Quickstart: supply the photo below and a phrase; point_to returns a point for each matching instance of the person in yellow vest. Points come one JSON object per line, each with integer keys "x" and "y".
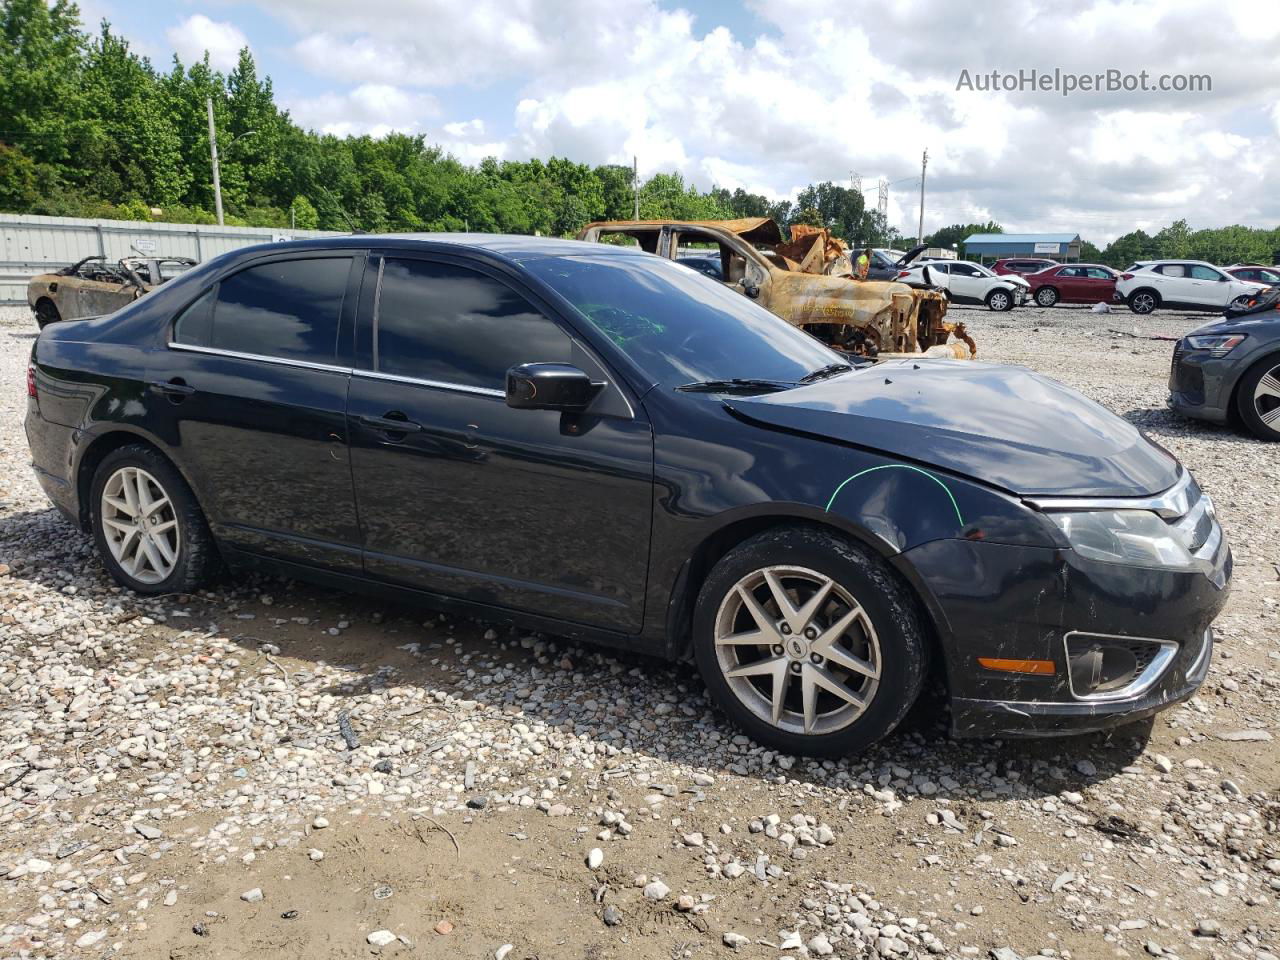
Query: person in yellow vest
{"x": 863, "y": 265}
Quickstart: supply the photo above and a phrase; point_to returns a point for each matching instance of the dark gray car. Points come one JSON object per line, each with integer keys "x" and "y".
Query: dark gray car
{"x": 1230, "y": 369}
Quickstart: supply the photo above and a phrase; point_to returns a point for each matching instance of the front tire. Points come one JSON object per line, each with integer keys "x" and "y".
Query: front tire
{"x": 1258, "y": 399}
{"x": 1000, "y": 300}
{"x": 1143, "y": 301}
{"x": 1046, "y": 296}
{"x": 808, "y": 642}
{"x": 147, "y": 525}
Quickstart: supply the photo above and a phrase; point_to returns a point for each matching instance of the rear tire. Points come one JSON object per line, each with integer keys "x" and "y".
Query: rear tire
{"x": 151, "y": 533}
{"x": 850, "y": 667}
{"x": 1046, "y": 296}
{"x": 1258, "y": 398}
{"x": 1143, "y": 301}
{"x": 46, "y": 312}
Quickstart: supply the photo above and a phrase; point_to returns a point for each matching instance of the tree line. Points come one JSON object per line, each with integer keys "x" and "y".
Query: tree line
{"x": 88, "y": 128}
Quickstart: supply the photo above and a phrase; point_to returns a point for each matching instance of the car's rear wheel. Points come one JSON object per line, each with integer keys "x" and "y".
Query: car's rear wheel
{"x": 1258, "y": 398}
{"x": 148, "y": 527}
{"x": 1143, "y": 301}
{"x": 1000, "y": 300}
{"x": 46, "y": 312}
{"x": 808, "y": 642}
{"x": 1046, "y": 296}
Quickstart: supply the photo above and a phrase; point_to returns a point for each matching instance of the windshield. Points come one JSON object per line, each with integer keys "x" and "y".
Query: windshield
{"x": 678, "y": 326}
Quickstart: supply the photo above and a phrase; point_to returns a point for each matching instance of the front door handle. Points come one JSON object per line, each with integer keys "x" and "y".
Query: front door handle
{"x": 393, "y": 422}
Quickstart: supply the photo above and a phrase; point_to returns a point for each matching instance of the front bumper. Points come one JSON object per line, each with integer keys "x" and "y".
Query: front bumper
{"x": 1006, "y": 602}
{"x": 1200, "y": 384}
{"x": 1038, "y": 718}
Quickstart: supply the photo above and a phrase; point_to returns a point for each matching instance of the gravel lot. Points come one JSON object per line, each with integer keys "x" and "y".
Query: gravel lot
{"x": 271, "y": 770}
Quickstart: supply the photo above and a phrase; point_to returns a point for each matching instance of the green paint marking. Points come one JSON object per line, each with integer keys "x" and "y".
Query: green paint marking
{"x": 899, "y": 466}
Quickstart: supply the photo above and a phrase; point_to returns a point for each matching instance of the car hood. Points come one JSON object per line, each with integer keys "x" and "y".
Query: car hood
{"x": 1002, "y": 425}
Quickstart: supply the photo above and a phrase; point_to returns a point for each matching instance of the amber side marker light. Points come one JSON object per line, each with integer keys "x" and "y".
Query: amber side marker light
{"x": 1039, "y": 667}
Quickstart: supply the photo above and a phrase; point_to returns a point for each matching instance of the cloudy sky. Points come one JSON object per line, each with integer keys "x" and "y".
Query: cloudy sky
{"x": 770, "y": 95}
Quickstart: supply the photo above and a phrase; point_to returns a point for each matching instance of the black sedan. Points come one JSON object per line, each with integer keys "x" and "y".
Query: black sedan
{"x": 600, "y": 443}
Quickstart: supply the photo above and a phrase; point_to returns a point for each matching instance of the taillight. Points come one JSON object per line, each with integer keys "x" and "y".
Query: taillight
{"x": 1126, "y": 276}
{"x": 31, "y": 380}
{"x": 904, "y": 273}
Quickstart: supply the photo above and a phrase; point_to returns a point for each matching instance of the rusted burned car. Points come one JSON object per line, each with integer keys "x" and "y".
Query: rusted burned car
{"x": 93, "y": 286}
{"x": 807, "y": 281}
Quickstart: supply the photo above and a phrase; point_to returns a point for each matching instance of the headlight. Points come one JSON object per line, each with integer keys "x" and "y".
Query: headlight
{"x": 1220, "y": 344}
{"x": 1136, "y": 538}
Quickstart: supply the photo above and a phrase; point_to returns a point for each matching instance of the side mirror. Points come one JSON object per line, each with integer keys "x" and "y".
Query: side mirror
{"x": 550, "y": 386}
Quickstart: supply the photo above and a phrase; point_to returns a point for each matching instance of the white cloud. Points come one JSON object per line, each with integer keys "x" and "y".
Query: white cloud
{"x": 822, "y": 93}
{"x": 372, "y": 108}
{"x": 196, "y": 34}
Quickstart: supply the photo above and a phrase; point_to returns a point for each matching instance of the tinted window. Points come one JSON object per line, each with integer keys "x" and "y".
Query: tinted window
{"x": 1071, "y": 272}
{"x": 1098, "y": 273}
{"x": 441, "y": 322}
{"x": 677, "y": 327}
{"x": 195, "y": 324}
{"x": 288, "y": 309}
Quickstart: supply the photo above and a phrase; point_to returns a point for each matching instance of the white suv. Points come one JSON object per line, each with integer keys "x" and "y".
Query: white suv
{"x": 967, "y": 282}
{"x": 1180, "y": 284}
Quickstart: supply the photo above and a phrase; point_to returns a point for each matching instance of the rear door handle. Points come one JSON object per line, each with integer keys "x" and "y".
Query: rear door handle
{"x": 171, "y": 388}
{"x": 390, "y": 424}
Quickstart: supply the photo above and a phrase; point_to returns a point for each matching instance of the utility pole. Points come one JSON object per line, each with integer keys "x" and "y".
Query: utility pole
{"x": 635, "y": 184}
{"x": 213, "y": 152}
{"x": 924, "y": 163}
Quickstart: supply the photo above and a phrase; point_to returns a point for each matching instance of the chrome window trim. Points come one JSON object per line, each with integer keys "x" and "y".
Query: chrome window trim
{"x": 261, "y": 358}
{"x": 1173, "y": 503}
{"x": 1139, "y": 684}
{"x": 438, "y": 384}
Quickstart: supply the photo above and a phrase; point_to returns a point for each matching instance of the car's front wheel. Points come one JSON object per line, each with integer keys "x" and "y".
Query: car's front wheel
{"x": 1258, "y": 399}
{"x": 1000, "y": 300}
{"x": 148, "y": 527}
{"x": 808, "y": 642}
{"x": 1046, "y": 296}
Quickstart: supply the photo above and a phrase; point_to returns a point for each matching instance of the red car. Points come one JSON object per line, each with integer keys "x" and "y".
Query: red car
{"x": 1022, "y": 265}
{"x": 1074, "y": 283}
{"x": 1255, "y": 272}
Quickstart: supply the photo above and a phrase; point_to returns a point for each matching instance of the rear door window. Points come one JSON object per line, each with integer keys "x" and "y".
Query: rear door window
{"x": 288, "y": 309}
{"x": 453, "y": 325}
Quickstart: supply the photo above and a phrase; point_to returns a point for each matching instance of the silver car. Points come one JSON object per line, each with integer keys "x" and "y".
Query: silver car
{"x": 1229, "y": 370}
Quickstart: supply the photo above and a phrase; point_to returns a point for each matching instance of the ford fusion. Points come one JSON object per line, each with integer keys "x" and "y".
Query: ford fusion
{"x": 599, "y": 443}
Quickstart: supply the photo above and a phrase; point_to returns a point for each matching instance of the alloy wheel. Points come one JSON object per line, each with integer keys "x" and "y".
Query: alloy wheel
{"x": 1046, "y": 297}
{"x": 797, "y": 649}
{"x": 1266, "y": 398}
{"x": 999, "y": 301}
{"x": 140, "y": 525}
{"x": 1144, "y": 303}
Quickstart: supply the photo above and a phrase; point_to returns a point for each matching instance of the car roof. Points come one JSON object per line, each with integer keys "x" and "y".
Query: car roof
{"x": 507, "y": 246}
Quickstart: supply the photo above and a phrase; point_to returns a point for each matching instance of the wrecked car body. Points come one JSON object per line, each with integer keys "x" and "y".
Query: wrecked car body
{"x": 92, "y": 286}
{"x": 808, "y": 281}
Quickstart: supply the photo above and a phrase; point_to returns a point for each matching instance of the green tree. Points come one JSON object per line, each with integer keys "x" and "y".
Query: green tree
{"x": 305, "y": 216}
{"x": 18, "y": 191}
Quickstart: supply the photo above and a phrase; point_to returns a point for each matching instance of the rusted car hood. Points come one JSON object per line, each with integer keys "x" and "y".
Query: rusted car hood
{"x": 1003, "y": 425}
{"x": 751, "y": 229}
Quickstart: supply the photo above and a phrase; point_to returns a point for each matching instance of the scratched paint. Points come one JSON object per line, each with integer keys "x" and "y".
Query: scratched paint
{"x": 898, "y": 466}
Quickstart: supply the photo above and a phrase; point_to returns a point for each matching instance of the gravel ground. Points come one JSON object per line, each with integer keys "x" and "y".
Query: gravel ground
{"x": 272, "y": 770}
